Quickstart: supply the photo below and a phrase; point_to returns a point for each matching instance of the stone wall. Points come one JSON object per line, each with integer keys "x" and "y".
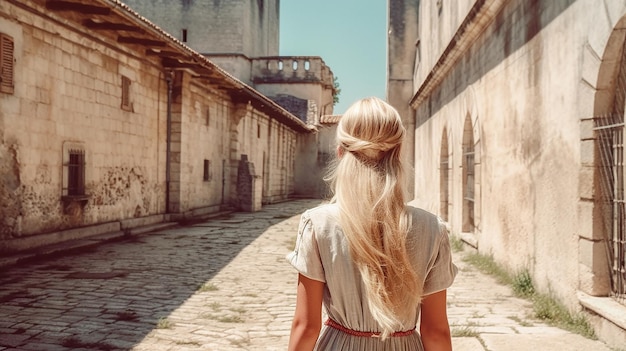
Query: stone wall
{"x": 68, "y": 96}
{"x": 68, "y": 89}
{"x": 270, "y": 146}
{"x": 305, "y": 77}
{"x": 248, "y": 27}
{"x": 204, "y": 136}
{"x": 524, "y": 88}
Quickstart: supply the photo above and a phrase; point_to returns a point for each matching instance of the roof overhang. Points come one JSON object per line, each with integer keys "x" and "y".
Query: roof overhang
{"x": 119, "y": 23}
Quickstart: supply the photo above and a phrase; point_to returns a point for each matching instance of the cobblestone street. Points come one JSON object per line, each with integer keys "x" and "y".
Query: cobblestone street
{"x": 219, "y": 285}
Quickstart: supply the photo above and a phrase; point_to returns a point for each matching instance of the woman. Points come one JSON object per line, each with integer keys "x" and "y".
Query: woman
{"x": 374, "y": 263}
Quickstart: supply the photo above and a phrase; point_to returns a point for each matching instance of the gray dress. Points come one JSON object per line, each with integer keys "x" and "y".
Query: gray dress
{"x": 322, "y": 253}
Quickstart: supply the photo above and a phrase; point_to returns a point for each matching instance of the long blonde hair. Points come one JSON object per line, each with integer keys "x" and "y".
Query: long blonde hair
{"x": 368, "y": 185}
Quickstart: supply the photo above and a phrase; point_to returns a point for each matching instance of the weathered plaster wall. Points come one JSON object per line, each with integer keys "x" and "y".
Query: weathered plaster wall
{"x": 307, "y": 165}
{"x": 270, "y": 146}
{"x": 205, "y": 137}
{"x": 68, "y": 89}
{"x": 438, "y": 22}
{"x": 526, "y": 128}
{"x": 534, "y": 84}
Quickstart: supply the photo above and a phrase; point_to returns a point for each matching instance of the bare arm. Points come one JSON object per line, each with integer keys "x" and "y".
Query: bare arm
{"x": 307, "y": 320}
{"x": 434, "y": 325}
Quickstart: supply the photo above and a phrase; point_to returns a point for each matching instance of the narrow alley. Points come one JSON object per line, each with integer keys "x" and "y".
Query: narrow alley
{"x": 219, "y": 285}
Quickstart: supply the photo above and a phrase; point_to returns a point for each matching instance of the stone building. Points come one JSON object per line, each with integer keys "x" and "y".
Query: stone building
{"x": 518, "y": 112}
{"x": 108, "y": 123}
{"x": 241, "y": 37}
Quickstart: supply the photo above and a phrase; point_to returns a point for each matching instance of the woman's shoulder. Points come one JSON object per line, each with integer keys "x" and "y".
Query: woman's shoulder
{"x": 323, "y": 219}
{"x": 425, "y": 221}
{"x": 323, "y": 212}
{"x": 419, "y": 213}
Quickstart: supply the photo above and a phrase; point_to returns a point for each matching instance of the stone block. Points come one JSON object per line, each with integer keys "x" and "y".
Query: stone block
{"x": 595, "y": 283}
{"x": 586, "y": 189}
{"x": 592, "y": 254}
{"x": 586, "y": 128}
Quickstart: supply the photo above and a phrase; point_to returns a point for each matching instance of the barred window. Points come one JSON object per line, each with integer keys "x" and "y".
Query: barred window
{"x": 444, "y": 177}
{"x": 74, "y": 171}
{"x": 6, "y": 64}
{"x": 612, "y": 197}
{"x": 468, "y": 177}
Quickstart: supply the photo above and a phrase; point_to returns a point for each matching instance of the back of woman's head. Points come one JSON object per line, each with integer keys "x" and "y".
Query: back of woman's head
{"x": 368, "y": 186}
{"x": 369, "y": 129}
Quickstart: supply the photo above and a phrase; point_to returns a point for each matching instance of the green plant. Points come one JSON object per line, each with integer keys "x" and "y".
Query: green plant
{"x": 193, "y": 343}
{"x": 336, "y": 90}
{"x": 464, "y": 331}
{"x": 207, "y": 287}
{"x": 230, "y": 319}
{"x": 545, "y": 307}
{"x": 522, "y": 284}
{"x": 554, "y": 313}
{"x": 520, "y": 321}
{"x": 164, "y": 323}
{"x": 456, "y": 243}
{"x": 238, "y": 309}
{"x": 486, "y": 264}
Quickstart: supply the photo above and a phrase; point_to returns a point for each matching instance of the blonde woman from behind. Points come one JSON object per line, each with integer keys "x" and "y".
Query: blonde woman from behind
{"x": 374, "y": 263}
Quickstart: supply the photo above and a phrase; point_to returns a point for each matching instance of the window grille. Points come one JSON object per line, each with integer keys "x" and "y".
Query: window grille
{"x": 444, "y": 176}
{"x": 610, "y": 144}
{"x": 126, "y": 104}
{"x": 468, "y": 177}
{"x": 76, "y": 173}
{"x": 6, "y": 64}
{"x": 468, "y": 187}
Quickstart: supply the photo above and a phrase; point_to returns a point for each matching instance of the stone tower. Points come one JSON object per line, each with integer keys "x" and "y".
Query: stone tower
{"x": 229, "y": 32}
{"x": 403, "y": 51}
{"x": 242, "y": 36}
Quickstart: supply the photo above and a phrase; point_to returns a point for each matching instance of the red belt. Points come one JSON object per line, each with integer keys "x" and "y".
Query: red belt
{"x": 331, "y": 323}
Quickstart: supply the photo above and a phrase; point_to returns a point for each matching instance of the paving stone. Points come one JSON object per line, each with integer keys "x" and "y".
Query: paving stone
{"x": 13, "y": 340}
{"x": 247, "y": 303}
{"x": 560, "y": 342}
{"x": 467, "y": 343}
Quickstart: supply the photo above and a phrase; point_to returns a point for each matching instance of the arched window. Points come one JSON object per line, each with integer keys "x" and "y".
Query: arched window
{"x": 468, "y": 177}
{"x": 444, "y": 177}
{"x": 610, "y": 161}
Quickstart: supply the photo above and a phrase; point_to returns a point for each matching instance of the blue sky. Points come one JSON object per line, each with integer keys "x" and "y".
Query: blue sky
{"x": 349, "y": 35}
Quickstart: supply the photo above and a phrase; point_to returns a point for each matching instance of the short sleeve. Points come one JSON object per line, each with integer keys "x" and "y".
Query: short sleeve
{"x": 442, "y": 273}
{"x": 305, "y": 258}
